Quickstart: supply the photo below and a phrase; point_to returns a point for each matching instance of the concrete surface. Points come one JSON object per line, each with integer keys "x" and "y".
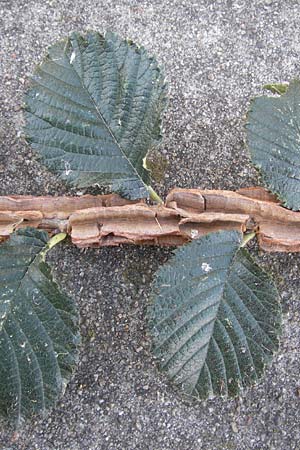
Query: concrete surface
{"x": 217, "y": 55}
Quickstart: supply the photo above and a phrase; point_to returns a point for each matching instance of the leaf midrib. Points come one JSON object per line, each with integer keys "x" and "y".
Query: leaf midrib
{"x": 217, "y": 311}
{"x": 99, "y": 113}
{"x": 32, "y": 261}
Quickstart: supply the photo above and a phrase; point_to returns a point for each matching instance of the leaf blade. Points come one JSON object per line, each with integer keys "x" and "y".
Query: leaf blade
{"x": 206, "y": 317}
{"x": 273, "y": 141}
{"x": 39, "y": 333}
{"x": 94, "y": 110}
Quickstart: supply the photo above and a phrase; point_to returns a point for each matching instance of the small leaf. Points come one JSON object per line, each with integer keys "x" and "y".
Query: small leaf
{"x": 94, "y": 110}
{"x": 277, "y": 88}
{"x": 38, "y": 328}
{"x": 215, "y": 317}
{"x": 273, "y": 140}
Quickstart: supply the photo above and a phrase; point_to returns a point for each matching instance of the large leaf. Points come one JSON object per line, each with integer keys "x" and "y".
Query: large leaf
{"x": 215, "y": 317}
{"x": 94, "y": 110}
{"x": 38, "y": 328}
{"x": 274, "y": 142}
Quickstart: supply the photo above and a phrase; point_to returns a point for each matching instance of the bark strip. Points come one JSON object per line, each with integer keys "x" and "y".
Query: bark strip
{"x": 107, "y": 220}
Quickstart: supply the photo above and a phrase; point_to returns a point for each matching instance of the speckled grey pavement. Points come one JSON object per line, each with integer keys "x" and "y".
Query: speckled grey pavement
{"x": 216, "y": 55}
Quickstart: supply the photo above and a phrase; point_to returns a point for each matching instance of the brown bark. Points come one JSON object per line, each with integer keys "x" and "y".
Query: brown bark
{"x": 94, "y": 221}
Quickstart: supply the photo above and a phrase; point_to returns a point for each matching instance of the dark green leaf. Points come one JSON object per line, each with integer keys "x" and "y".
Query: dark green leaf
{"x": 38, "y": 328}
{"x": 94, "y": 110}
{"x": 215, "y": 317}
{"x": 274, "y": 143}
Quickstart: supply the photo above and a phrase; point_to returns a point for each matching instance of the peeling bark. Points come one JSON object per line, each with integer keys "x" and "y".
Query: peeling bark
{"x": 106, "y": 220}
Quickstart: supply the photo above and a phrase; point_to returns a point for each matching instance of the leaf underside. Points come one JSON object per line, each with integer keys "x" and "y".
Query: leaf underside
{"x": 93, "y": 111}
{"x": 38, "y": 329}
{"x": 273, "y": 130}
{"x": 215, "y": 317}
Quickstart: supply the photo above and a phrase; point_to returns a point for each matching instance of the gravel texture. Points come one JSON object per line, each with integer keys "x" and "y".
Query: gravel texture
{"x": 216, "y": 56}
